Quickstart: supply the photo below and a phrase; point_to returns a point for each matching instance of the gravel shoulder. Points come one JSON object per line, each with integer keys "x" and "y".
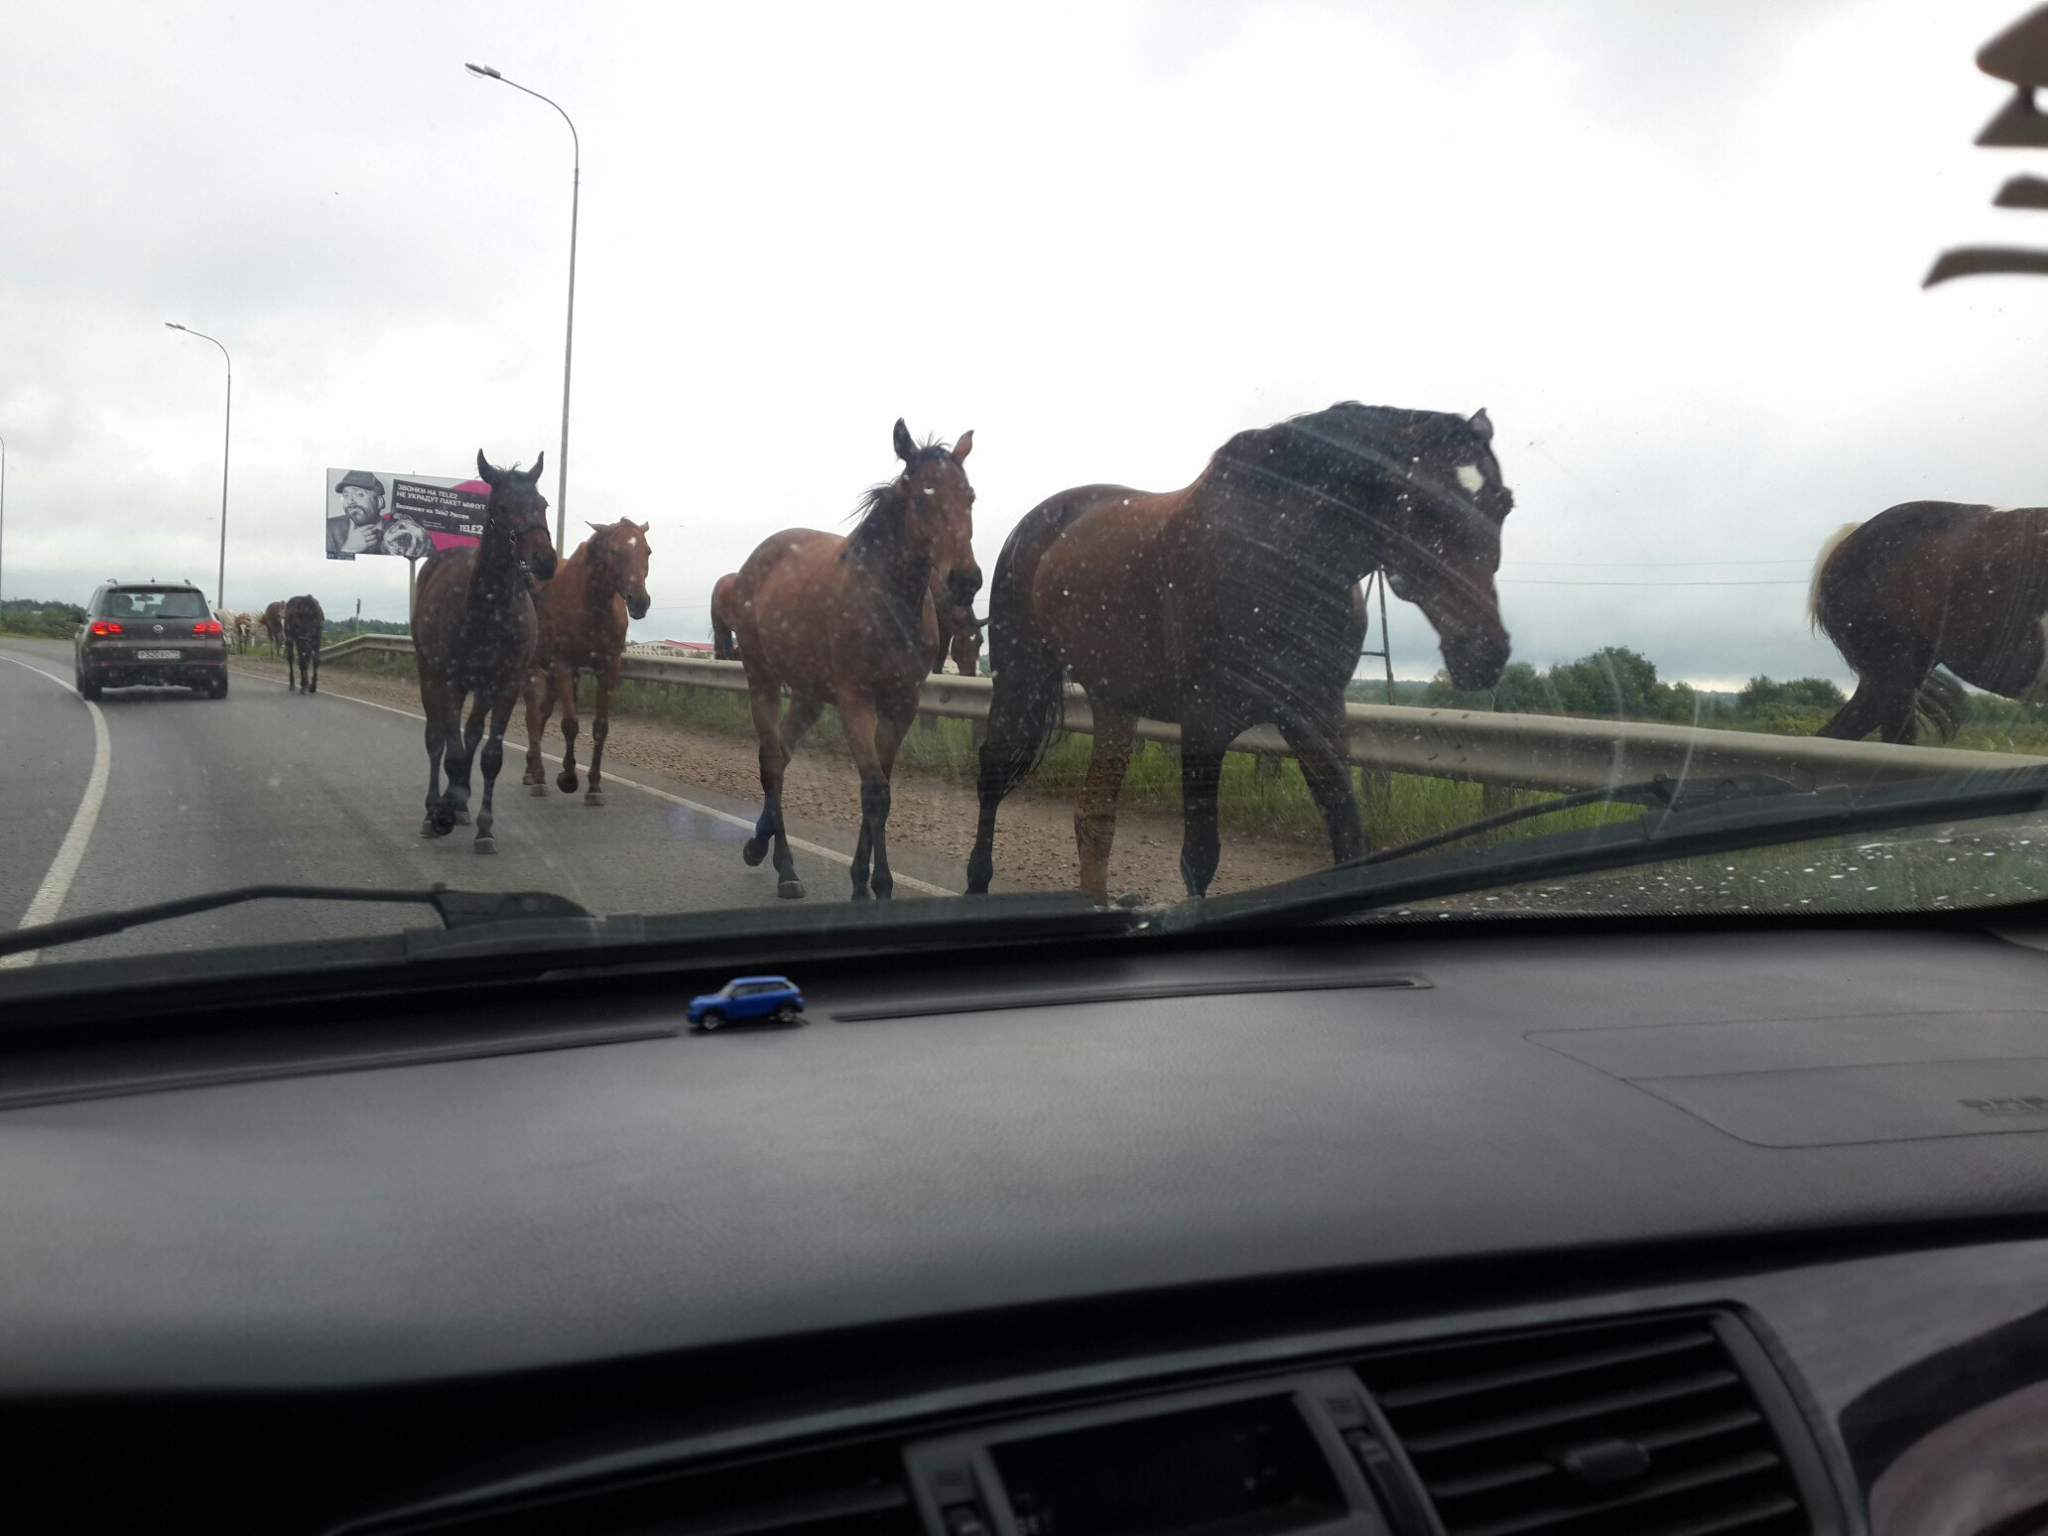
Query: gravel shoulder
{"x": 1034, "y": 838}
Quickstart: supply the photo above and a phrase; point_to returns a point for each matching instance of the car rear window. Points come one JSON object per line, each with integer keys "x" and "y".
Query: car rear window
{"x": 152, "y": 605}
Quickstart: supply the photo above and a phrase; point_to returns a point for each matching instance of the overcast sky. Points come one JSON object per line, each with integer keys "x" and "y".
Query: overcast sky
{"x": 1674, "y": 250}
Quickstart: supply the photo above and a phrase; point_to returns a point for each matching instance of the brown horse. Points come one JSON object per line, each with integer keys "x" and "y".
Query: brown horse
{"x": 582, "y": 616}
{"x": 473, "y": 631}
{"x": 959, "y": 633}
{"x": 849, "y": 622}
{"x": 724, "y": 608}
{"x": 304, "y": 624}
{"x": 273, "y": 626}
{"x": 1235, "y": 602}
{"x": 1930, "y": 584}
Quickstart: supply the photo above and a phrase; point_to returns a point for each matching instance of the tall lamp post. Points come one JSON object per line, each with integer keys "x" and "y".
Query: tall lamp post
{"x": 220, "y": 581}
{"x": 485, "y": 72}
{"x": 3, "y": 511}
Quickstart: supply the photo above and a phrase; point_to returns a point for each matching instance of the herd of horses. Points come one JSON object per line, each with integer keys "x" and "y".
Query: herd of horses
{"x": 1232, "y": 602}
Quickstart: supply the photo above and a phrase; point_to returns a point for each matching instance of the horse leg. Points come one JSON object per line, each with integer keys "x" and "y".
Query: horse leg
{"x": 462, "y": 745}
{"x": 439, "y": 822}
{"x": 1318, "y": 746}
{"x": 314, "y": 686}
{"x": 540, "y": 704}
{"x": 565, "y": 692}
{"x": 1857, "y": 718}
{"x": 493, "y": 759}
{"x": 601, "y": 727}
{"x": 889, "y": 731}
{"x": 1095, "y": 810}
{"x": 768, "y": 832}
{"x": 291, "y": 678}
{"x": 858, "y": 716}
{"x": 1201, "y": 771}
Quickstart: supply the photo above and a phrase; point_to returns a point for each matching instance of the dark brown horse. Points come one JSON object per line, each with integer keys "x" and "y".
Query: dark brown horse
{"x": 273, "y": 626}
{"x": 849, "y": 622}
{"x": 304, "y": 623}
{"x": 582, "y": 625}
{"x": 473, "y": 632}
{"x": 959, "y": 633}
{"x": 724, "y": 609}
{"x": 1235, "y": 602}
{"x": 1930, "y": 584}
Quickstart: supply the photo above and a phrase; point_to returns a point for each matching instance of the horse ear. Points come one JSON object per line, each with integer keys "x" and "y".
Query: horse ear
{"x": 643, "y": 527}
{"x": 965, "y": 446}
{"x": 906, "y": 449}
{"x": 484, "y": 471}
{"x": 533, "y": 474}
{"x": 1481, "y": 423}
{"x": 596, "y": 527}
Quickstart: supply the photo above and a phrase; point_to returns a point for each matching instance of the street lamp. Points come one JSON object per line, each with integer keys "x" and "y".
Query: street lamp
{"x": 485, "y": 72}
{"x": 3, "y": 510}
{"x": 220, "y": 581}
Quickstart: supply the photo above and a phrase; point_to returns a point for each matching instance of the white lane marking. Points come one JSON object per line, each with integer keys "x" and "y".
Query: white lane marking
{"x": 48, "y": 900}
{"x": 798, "y": 843}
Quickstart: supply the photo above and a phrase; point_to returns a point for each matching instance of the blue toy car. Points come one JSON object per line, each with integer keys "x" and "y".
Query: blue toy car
{"x": 748, "y": 1000}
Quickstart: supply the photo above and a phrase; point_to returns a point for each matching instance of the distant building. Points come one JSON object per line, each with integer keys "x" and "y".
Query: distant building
{"x": 669, "y": 648}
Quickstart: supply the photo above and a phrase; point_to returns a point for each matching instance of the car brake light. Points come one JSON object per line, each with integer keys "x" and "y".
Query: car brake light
{"x": 103, "y": 627}
{"x": 206, "y": 627}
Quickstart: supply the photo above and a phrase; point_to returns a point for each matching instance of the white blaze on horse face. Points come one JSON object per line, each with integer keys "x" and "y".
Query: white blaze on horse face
{"x": 1470, "y": 478}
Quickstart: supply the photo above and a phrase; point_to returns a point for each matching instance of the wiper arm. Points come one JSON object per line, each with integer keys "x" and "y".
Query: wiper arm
{"x": 1719, "y": 819}
{"x": 456, "y": 909}
{"x": 1672, "y": 794}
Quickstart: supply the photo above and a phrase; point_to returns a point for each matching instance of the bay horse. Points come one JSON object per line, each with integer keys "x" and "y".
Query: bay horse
{"x": 473, "y": 631}
{"x": 581, "y": 613}
{"x": 304, "y": 624}
{"x": 1234, "y": 602}
{"x": 724, "y": 605}
{"x": 273, "y": 626}
{"x": 1930, "y": 584}
{"x": 959, "y": 633}
{"x": 849, "y": 622}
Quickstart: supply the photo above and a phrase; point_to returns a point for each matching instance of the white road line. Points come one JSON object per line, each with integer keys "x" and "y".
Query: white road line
{"x": 48, "y": 900}
{"x": 817, "y": 849}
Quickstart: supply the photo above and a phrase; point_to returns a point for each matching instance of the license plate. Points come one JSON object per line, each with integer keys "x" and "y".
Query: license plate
{"x": 156, "y": 655}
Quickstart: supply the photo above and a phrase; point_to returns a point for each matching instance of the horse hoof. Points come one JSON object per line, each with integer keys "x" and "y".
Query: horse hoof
{"x": 860, "y": 893}
{"x": 427, "y": 828}
{"x": 485, "y": 845}
{"x": 462, "y": 818}
{"x": 566, "y": 783}
{"x": 594, "y": 797}
{"x": 790, "y": 890}
{"x": 535, "y": 788}
{"x": 754, "y": 850}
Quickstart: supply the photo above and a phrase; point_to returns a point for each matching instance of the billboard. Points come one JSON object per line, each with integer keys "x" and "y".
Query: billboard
{"x": 370, "y": 512}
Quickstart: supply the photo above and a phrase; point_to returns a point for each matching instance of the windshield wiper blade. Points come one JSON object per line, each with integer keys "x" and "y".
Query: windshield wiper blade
{"x": 1718, "y": 821}
{"x": 456, "y": 909}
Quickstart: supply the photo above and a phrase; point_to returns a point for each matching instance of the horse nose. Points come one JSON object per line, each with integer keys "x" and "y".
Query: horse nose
{"x": 544, "y": 565}
{"x": 962, "y": 582}
{"x": 636, "y": 605}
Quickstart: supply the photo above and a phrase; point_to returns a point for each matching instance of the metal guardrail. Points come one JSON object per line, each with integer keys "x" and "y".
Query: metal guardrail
{"x": 1547, "y": 752}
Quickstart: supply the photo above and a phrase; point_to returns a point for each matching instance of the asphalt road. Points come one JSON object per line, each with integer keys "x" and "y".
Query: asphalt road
{"x": 267, "y": 786}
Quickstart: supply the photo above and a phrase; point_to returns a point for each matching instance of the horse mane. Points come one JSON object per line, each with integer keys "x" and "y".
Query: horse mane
{"x": 878, "y": 514}
{"x": 1345, "y": 441}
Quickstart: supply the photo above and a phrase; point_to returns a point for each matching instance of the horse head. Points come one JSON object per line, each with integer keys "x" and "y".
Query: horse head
{"x": 938, "y": 511}
{"x": 1440, "y": 541}
{"x": 518, "y": 509}
{"x": 619, "y": 552}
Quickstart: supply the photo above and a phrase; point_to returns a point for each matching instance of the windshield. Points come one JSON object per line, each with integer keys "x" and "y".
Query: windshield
{"x": 1150, "y": 451}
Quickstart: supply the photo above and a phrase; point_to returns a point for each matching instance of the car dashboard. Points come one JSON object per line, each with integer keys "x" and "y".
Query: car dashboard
{"x": 1467, "y": 1231}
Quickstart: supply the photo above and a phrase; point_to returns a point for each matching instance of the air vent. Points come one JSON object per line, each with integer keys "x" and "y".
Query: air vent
{"x": 1648, "y": 1428}
{"x": 853, "y": 1492}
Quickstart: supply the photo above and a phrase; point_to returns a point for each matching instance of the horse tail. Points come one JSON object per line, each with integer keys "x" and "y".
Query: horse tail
{"x": 723, "y": 646}
{"x": 1819, "y": 590}
{"x": 1029, "y": 700}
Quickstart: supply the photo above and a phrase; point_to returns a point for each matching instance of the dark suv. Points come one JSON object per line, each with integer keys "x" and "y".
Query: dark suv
{"x": 151, "y": 633}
